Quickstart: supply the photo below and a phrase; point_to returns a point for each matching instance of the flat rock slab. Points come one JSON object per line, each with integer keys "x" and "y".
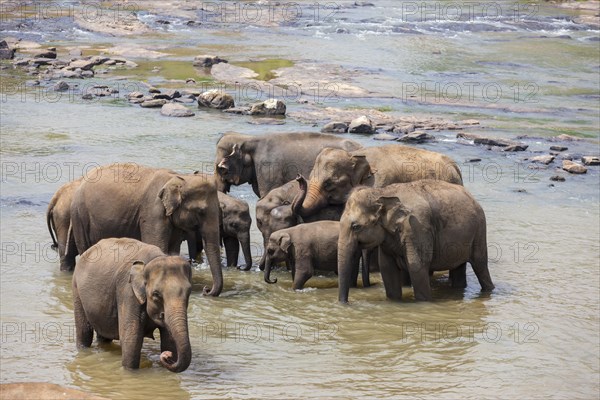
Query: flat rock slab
{"x": 153, "y": 103}
{"x": 176, "y": 110}
{"x": 573, "y": 168}
{"x": 546, "y": 159}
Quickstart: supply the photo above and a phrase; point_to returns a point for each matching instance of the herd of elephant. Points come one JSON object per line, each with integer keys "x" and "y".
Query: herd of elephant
{"x": 398, "y": 207}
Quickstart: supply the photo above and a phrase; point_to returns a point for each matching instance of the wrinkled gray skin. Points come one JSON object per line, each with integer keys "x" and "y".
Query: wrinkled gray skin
{"x": 156, "y": 206}
{"x": 235, "y": 223}
{"x": 304, "y": 248}
{"x": 336, "y": 172}
{"x": 420, "y": 227}
{"x": 269, "y": 161}
{"x": 275, "y": 212}
{"x": 58, "y": 218}
{"x": 124, "y": 290}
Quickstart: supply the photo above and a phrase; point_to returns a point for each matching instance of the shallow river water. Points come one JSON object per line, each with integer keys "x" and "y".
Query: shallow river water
{"x": 535, "y": 336}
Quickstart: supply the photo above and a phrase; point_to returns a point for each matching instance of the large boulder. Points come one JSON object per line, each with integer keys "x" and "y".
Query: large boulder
{"x": 335, "y": 127}
{"x": 268, "y": 107}
{"x": 6, "y": 53}
{"x": 215, "y": 99}
{"x": 361, "y": 125}
{"x": 176, "y": 110}
{"x": 207, "y": 61}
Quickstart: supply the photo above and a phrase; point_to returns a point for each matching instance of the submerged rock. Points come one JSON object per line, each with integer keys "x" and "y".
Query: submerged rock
{"x": 361, "y": 125}
{"x": 557, "y": 178}
{"x": 176, "y": 110}
{"x": 573, "y": 168}
{"x": 216, "y": 99}
{"x": 384, "y": 136}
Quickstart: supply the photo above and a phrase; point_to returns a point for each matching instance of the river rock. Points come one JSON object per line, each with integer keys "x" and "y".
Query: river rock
{"x": 153, "y": 90}
{"x": 215, "y": 99}
{"x": 573, "y": 168}
{"x": 557, "y": 178}
{"x": 176, "y": 110}
{"x": 559, "y": 148}
{"x": 207, "y": 61}
{"x": 590, "y": 160}
{"x": 172, "y": 93}
{"x": 404, "y": 129}
{"x": 335, "y": 127}
{"x": 545, "y": 159}
{"x": 46, "y": 54}
{"x": 268, "y": 107}
{"x": 6, "y": 53}
{"x": 155, "y": 103}
{"x": 61, "y": 86}
{"x": 135, "y": 95}
{"x": 477, "y": 139}
{"x": 361, "y": 125}
{"x": 41, "y": 61}
{"x": 516, "y": 147}
{"x": 566, "y": 138}
{"x": 384, "y": 136}
{"x": 161, "y": 96}
{"x": 192, "y": 92}
{"x": 83, "y": 64}
{"x": 416, "y": 137}
{"x": 185, "y": 99}
{"x": 237, "y": 110}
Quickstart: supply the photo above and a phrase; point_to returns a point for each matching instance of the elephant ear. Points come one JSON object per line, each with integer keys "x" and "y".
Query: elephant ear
{"x": 362, "y": 169}
{"x": 391, "y": 212}
{"x": 137, "y": 281}
{"x": 285, "y": 242}
{"x": 171, "y": 194}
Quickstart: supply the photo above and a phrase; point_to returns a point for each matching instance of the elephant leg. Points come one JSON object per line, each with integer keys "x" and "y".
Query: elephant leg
{"x": 102, "y": 340}
{"x": 232, "y": 250}
{"x": 84, "y": 333}
{"x": 303, "y": 273}
{"x": 458, "y": 276}
{"x": 391, "y": 275}
{"x": 482, "y": 272}
{"x": 130, "y": 336}
{"x": 366, "y": 266}
{"x": 406, "y": 281}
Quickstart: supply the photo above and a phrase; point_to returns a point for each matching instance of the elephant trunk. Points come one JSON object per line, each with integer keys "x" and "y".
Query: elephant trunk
{"x": 244, "y": 240}
{"x": 347, "y": 253}
{"x": 212, "y": 249}
{"x": 268, "y": 262}
{"x": 301, "y": 196}
{"x": 177, "y": 325}
{"x": 313, "y": 202}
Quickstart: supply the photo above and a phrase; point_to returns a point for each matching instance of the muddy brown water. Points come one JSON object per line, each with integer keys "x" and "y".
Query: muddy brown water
{"x": 535, "y": 336}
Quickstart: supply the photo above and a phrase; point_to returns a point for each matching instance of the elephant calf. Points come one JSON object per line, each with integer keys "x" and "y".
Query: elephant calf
{"x": 58, "y": 218}
{"x": 304, "y": 248}
{"x": 234, "y": 224}
{"x": 420, "y": 227}
{"x": 124, "y": 290}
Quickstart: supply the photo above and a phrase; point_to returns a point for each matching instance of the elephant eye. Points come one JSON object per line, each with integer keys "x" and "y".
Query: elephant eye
{"x": 156, "y": 295}
{"x": 355, "y": 227}
{"x": 328, "y": 184}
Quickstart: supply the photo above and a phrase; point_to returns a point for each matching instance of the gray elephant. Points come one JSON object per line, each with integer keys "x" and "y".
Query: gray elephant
{"x": 337, "y": 171}
{"x": 156, "y": 206}
{"x": 269, "y": 161}
{"x": 58, "y": 219}
{"x": 124, "y": 290}
{"x": 275, "y": 211}
{"x": 304, "y": 248}
{"x": 235, "y": 224}
{"x": 420, "y": 227}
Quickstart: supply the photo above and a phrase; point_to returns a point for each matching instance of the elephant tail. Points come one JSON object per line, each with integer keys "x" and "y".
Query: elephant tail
{"x": 51, "y": 226}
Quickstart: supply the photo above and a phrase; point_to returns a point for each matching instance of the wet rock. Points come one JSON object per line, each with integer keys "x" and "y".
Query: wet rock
{"x": 516, "y": 147}
{"x": 155, "y": 103}
{"x": 172, "y": 93}
{"x": 191, "y": 92}
{"x": 161, "y": 96}
{"x": 237, "y": 110}
{"x": 216, "y": 99}
{"x": 477, "y": 139}
{"x": 404, "y": 129}
{"x": 590, "y": 160}
{"x": 545, "y": 159}
{"x": 384, "y": 136}
{"x": 521, "y": 190}
{"x": 268, "y": 107}
{"x": 49, "y": 53}
{"x": 87, "y": 74}
{"x": 6, "y": 53}
{"x": 87, "y": 96}
{"x": 61, "y": 86}
{"x": 176, "y": 110}
{"x": 361, "y": 125}
{"x": 266, "y": 121}
{"x": 163, "y": 22}
{"x": 363, "y": 4}
{"x": 566, "y": 138}
{"x": 135, "y": 95}
{"x": 193, "y": 23}
{"x": 41, "y": 61}
{"x": 137, "y": 101}
{"x": 185, "y": 99}
{"x": 65, "y": 73}
{"x": 152, "y": 89}
{"x": 416, "y": 137}
{"x": 559, "y": 148}
{"x": 473, "y": 159}
{"x": 207, "y": 61}
{"x": 573, "y": 168}
{"x": 21, "y": 62}
{"x": 557, "y": 178}
{"x": 83, "y": 64}
{"x": 342, "y": 30}
{"x": 335, "y": 127}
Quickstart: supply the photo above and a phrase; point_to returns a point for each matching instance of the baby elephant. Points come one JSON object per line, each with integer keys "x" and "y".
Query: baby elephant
{"x": 234, "y": 225}
{"x": 125, "y": 289}
{"x": 304, "y": 248}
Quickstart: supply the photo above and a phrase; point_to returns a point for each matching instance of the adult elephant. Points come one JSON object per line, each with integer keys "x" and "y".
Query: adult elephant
{"x": 276, "y": 211}
{"x": 58, "y": 219}
{"x": 124, "y": 290}
{"x": 337, "y": 171}
{"x": 419, "y": 227}
{"x": 269, "y": 161}
{"x": 156, "y": 206}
